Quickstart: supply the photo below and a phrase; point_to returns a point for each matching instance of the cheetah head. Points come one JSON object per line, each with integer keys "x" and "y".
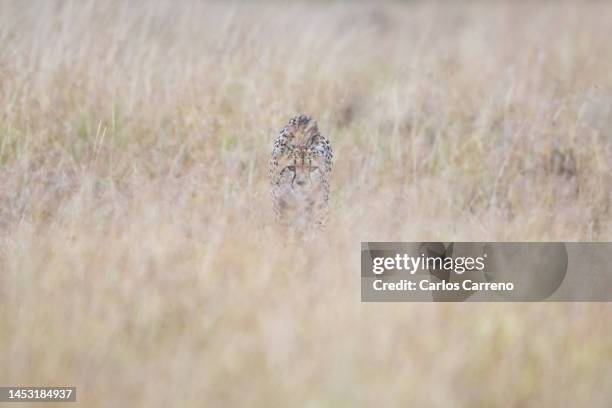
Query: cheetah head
{"x": 302, "y": 171}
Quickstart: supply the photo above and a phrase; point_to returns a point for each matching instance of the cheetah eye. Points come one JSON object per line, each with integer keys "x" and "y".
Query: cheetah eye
{"x": 313, "y": 168}
{"x": 291, "y": 168}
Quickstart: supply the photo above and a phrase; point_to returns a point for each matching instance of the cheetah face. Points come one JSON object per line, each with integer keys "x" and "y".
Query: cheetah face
{"x": 303, "y": 179}
{"x": 302, "y": 174}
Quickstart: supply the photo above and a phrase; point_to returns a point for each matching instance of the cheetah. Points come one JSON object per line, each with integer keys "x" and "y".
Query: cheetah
{"x": 300, "y": 168}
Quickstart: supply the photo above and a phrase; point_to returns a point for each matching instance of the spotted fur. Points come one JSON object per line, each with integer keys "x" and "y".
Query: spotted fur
{"x": 300, "y": 168}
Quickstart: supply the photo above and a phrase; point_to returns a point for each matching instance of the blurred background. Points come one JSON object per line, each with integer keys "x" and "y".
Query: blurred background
{"x": 139, "y": 260}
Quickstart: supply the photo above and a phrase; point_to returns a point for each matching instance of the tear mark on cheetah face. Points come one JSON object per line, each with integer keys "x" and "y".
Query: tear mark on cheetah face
{"x": 300, "y": 168}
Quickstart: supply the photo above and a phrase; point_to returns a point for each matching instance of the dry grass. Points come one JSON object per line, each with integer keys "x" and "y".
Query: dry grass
{"x": 137, "y": 257}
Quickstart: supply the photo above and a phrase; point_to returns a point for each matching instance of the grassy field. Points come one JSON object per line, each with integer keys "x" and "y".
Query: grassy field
{"x": 138, "y": 256}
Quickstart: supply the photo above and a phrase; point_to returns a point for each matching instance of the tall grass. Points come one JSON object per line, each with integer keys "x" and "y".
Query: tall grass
{"x": 138, "y": 257}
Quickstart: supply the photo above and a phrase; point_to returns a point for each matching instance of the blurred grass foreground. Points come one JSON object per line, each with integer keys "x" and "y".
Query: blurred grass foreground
{"x": 138, "y": 257}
